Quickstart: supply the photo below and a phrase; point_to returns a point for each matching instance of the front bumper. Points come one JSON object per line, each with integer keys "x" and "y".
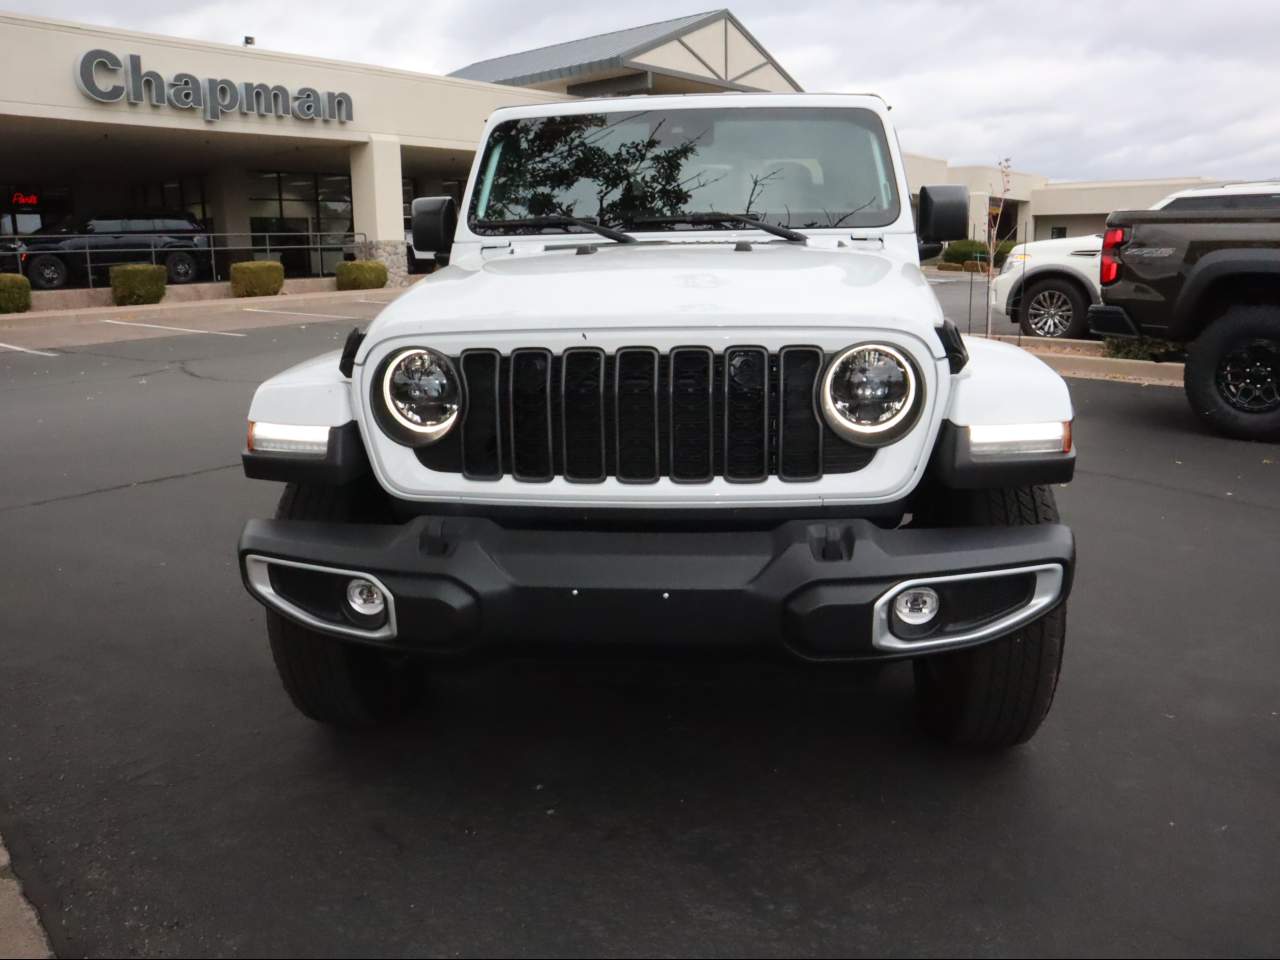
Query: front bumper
{"x": 822, "y": 590}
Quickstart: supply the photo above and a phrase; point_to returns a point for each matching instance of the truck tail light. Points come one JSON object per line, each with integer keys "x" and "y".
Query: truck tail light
{"x": 1112, "y": 240}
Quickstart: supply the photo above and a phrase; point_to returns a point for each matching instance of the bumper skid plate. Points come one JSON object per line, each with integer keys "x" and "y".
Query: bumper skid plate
{"x": 821, "y": 589}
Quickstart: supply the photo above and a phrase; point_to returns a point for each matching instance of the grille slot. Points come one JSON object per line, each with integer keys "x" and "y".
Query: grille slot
{"x": 799, "y": 429}
{"x": 482, "y": 427}
{"x": 637, "y": 415}
{"x": 582, "y": 415}
{"x": 530, "y": 412}
{"x": 746, "y": 413}
{"x": 635, "y": 391}
{"x": 692, "y": 414}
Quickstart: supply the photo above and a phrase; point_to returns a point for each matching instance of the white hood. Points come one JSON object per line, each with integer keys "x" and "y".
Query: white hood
{"x": 675, "y": 285}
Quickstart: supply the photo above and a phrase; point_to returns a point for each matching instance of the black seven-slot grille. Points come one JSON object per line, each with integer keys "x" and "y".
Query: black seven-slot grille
{"x": 637, "y": 415}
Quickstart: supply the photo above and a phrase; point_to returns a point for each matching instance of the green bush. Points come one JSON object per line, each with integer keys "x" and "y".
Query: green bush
{"x": 256, "y": 278}
{"x": 958, "y": 251}
{"x": 1002, "y": 253}
{"x": 15, "y": 293}
{"x": 952, "y": 267}
{"x": 135, "y": 283}
{"x": 361, "y": 275}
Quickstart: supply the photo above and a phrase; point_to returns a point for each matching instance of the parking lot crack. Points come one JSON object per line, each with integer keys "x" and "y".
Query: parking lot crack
{"x": 119, "y": 486}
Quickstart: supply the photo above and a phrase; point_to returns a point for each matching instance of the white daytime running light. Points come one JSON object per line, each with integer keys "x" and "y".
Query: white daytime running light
{"x": 1013, "y": 438}
{"x": 291, "y": 438}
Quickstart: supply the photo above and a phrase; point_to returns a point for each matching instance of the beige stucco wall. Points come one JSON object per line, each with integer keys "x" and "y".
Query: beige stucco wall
{"x": 1060, "y": 199}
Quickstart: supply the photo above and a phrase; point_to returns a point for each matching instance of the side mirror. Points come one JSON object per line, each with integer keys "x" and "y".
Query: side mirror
{"x": 434, "y": 220}
{"x": 944, "y": 213}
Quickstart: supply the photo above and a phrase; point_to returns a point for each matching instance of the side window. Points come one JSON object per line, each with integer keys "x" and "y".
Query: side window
{"x": 140, "y": 226}
{"x": 1057, "y": 233}
{"x": 98, "y": 225}
{"x": 173, "y": 225}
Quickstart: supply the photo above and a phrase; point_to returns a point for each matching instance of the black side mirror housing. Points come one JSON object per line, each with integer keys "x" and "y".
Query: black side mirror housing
{"x": 944, "y": 213}
{"x": 433, "y": 221}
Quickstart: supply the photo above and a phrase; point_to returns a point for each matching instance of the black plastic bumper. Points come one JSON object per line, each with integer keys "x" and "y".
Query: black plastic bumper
{"x": 1106, "y": 321}
{"x": 467, "y": 584}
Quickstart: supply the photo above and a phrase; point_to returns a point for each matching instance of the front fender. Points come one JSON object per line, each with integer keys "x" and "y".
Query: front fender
{"x": 1002, "y": 384}
{"x": 313, "y": 393}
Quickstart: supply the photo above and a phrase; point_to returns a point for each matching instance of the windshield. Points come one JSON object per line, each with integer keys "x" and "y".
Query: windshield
{"x": 798, "y": 167}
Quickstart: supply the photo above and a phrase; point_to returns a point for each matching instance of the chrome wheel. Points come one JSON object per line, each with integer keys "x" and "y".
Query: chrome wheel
{"x": 1249, "y": 377}
{"x": 1049, "y": 314}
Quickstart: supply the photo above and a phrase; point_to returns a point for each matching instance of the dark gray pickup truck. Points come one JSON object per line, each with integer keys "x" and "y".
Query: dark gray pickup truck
{"x": 1208, "y": 279}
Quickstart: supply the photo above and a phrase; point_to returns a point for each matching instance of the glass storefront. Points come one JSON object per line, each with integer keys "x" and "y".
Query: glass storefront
{"x": 304, "y": 220}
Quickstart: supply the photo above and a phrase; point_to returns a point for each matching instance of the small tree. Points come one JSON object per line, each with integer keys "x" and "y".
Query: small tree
{"x": 994, "y": 213}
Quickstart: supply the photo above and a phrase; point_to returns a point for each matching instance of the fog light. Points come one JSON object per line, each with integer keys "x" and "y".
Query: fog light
{"x": 916, "y": 606}
{"x": 365, "y": 598}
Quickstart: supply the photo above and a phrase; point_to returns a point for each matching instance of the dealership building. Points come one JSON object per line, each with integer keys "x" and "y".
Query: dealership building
{"x": 261, "y": 145}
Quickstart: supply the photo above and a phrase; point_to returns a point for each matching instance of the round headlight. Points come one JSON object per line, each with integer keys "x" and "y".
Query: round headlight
{"x": 871, "y": 394}
{"x": 421, "y": 394}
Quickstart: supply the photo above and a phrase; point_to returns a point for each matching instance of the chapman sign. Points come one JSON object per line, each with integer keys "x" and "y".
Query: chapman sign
{"x": 103, "y": 76}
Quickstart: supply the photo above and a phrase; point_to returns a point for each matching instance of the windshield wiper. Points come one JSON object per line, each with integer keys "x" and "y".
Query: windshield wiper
{"x": 786, "y": 233}
{"x": 557, "y": 220}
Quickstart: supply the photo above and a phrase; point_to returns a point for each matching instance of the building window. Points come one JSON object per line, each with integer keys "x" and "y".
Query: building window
{"x": 304, "y": 220}
{"x": 1057, "y": 233}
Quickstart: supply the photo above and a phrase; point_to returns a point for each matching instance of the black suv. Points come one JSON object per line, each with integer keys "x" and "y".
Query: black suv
{"x": 55, "y": 257}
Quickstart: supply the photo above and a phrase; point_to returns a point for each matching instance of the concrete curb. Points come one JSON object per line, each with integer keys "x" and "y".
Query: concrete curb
{"x": 1107, "y": 368}
{"x": 26, "y": 319}
{"x": 20, "y": 932}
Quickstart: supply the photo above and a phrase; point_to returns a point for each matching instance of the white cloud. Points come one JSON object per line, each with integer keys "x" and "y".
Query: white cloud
{"x": 1072, "y": 90}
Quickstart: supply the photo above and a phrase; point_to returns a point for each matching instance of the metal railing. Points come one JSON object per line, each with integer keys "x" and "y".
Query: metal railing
{"x": 86, "y": 257}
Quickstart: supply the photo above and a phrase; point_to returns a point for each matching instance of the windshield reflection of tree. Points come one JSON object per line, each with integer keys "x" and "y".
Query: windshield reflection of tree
{"x": 633, "y": 178}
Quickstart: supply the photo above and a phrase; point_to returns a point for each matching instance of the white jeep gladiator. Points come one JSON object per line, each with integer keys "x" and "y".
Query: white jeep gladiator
{"x": 682, "y": 386}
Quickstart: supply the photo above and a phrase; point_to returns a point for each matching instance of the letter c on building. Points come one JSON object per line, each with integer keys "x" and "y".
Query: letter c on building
{"x": 87, "y": 81}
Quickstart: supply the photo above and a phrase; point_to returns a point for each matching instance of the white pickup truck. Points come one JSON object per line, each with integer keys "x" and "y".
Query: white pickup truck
{"x": 681, "y": 386}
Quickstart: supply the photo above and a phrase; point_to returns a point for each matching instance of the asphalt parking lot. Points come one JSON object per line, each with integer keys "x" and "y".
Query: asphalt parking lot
{"x": 161, "y": 797}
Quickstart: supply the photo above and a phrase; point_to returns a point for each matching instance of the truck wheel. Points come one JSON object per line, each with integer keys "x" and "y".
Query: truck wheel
{"x": 181, "y": 267}
{"x": 1054, "y": 308}
{"x": 333, "y": 681}
{"x": 47, "y": 272}
{"x": 996, "y": 694}
{"x": 1232, "y": 374}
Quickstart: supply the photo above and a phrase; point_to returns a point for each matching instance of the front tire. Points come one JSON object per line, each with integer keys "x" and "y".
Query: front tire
{"x": 1232, "y": 373}
{"x": 332, "y": 681}
{"x": 47, "y": 272}
{"x": 181, "y": 267}
{"x": 1056, "y": 309}
{"x": 996, "y": 694}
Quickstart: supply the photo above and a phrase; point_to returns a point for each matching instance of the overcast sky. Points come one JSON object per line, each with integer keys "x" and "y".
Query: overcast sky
{"x": 1074, "y": 91}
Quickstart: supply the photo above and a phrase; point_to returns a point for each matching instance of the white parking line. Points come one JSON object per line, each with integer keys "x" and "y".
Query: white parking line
{"x": 39, "y": 353}
{"x": 381, "y": 303}
{"x": 160, "y": 326}
{"x": 295, "y": 313}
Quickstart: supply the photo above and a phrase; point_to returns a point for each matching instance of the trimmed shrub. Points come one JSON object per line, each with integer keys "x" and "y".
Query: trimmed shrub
{"x": 361, "y": 275}
{"x": 135, "y": 283}
{"x": 256, "y": 278}
{"x": 15, "y": 293}
{"x": 958, "y": 251}
{"x": 951, "y": 267}
{"x": 1002, "y": 253}
{"x": 975, "y": 266}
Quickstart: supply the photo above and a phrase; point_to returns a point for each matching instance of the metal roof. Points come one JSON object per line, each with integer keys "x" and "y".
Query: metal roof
{"x": 590, "y": 54}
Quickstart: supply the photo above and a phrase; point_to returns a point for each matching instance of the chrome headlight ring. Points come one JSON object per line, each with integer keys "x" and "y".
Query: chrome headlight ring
{"x": 417, "y": 396}
{"x": 877, "y": 374}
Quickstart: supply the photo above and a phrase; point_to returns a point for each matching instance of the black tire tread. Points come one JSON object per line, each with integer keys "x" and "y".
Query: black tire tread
{"x": 1201, "y": 368}
{"x": 332, "y": 681}
{"x": 998, "y": 693}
